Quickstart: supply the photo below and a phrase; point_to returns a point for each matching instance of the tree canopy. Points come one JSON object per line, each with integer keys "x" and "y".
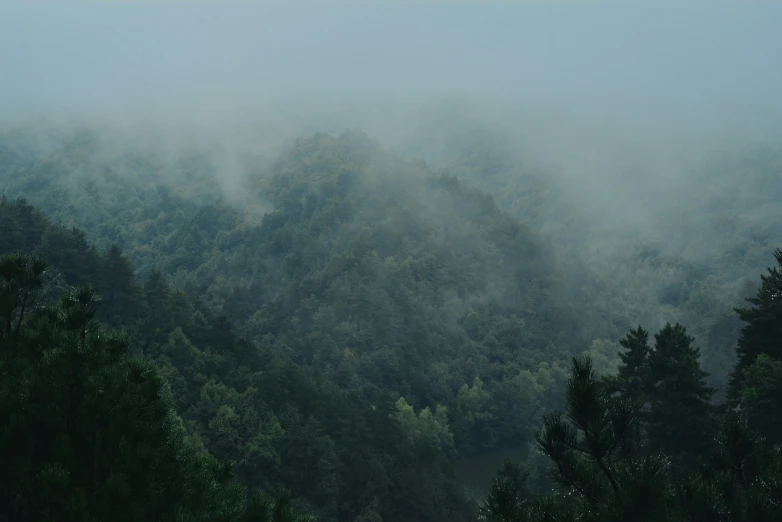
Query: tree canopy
{"x": 346, "y": 327}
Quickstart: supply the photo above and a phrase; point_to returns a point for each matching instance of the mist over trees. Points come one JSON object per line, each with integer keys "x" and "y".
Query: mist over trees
{"x": 335, "y": 262}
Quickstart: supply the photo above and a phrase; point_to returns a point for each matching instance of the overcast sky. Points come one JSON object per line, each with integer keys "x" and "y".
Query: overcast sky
{"x": 75, "y": 54}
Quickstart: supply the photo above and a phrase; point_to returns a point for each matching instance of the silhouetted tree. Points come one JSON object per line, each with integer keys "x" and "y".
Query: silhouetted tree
{"x": 761, "y": 334}
{"x": 680, "y": 415}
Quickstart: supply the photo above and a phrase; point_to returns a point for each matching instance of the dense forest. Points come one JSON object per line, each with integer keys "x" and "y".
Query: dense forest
{"x": 340, "y": 332}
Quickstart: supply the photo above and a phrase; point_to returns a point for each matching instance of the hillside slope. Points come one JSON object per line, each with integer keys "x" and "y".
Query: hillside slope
{"x": 379, "y": 272}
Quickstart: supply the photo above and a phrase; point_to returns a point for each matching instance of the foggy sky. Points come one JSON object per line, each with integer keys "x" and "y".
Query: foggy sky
{"x": 620, "y": 99}
{"x": 609, "y": 58}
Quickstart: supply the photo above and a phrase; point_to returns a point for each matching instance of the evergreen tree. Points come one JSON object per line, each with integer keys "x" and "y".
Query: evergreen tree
{"x": 633, "y": 370}
{"x": 632, "y": 379}
{"x": 602, "y": 477}
{"x": 21, "y": 280}
{"x": 121, "y": 295}
{"x": 761, "y": 334}
{"x": 680, "y": 415}
{"x": 509, "y": 496}
{"x": 509, "y": 500}
{"x": 761, "y": 396}
{"x": 738, "y": 480}
{"x": 595, "y": 456}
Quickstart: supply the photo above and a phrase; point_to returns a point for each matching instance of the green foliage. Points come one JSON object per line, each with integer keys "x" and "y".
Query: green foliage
{"x": 608, "y": 470}
{"x": 426, "y": 427}
{"x": 253, "y": 405}
{"x": 760, "y": 334}
{"x": 592, "y": 440}
{"x": 88, "y": 433}
{"x": 633, "y": 371}
{"x": 761, "y": 396}
{"x": 680, "y": 419}
{"x": 508, "y": 496}
{"x": 666, "y": 387}
{"x": 425, "y": 282}
{"x": 685, "y": 261}
{"x": 604, "y": 476}
{"x": 350, "y": 322}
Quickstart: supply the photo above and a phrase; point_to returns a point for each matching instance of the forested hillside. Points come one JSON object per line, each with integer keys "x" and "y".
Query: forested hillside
{"x": 646, "y": 247}
{"x": 647, "y": 443}
{"x": 382, "y": 274}
{"x": 88, "y": 431}
{"x": 348, "y": 324}
{"x": 281, "y": 423}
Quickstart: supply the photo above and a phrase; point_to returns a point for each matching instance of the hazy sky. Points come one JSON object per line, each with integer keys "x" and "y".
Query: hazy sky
{"x": 623, "y": 100}
{"x": 220, "y": 54}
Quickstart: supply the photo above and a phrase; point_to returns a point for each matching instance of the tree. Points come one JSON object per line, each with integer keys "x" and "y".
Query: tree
{"x": 761, "y": 334}
{"x": 117, "y": 279}
{"x": 738, "y": 480}
{"x": 21, "y": 277}
{"x": 633, "y": 369}
{"x": 87, "y": 432}
{"x": 508, "y": 498}
{"x": 761, "y": 396}
{"x": 680, "y": 416}
{"x": 595, "y": 456}
{"x": 632, "y": 379}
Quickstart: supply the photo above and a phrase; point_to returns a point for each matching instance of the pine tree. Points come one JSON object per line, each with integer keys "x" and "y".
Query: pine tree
{"x": 762, "y": 333}
{"x": 680, "y": 416}
{"x": 121, "y": 295}
{"x": 738, "y": 480}
{"x": 634, "y": 367}
{"x": 761, "y": 396}
{"x": 595, "y": 456}
{"x": 21, "y": 281}
{"x": 631, "y": 381}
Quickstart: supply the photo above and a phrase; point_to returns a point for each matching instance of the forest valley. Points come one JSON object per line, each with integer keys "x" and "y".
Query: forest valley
{"x": 333, "y": 335}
